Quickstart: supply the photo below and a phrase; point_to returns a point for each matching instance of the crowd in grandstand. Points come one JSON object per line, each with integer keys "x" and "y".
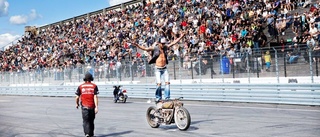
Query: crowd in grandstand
{"x": 217, "y": 27}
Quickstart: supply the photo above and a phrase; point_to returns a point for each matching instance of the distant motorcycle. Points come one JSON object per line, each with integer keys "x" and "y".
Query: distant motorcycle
{"x": 168, "y": 112}
{"x": 119, "y": 94}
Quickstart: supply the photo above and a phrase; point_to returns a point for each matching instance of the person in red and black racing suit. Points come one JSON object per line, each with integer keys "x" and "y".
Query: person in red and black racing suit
{"x": 88, "y": 94}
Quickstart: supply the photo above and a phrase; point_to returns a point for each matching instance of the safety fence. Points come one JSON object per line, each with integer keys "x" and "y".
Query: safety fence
{"x": 296, "y": 94}
{"x": 208, "y": 66}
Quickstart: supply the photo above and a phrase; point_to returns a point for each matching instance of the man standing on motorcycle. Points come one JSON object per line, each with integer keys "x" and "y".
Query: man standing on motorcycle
{"x": 88, "y": 94}
{"x": 160, "y": 59}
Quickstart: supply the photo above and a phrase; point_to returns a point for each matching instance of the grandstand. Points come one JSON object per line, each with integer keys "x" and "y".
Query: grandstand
{"x": 100, "y": 42}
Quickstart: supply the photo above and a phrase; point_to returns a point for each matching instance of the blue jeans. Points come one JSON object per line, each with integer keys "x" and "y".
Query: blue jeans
{"x": 268, "y": 64}
{"x": 162, "y": 74}
{"x": 293, "y": 59}
{"x": 256, "y": 46}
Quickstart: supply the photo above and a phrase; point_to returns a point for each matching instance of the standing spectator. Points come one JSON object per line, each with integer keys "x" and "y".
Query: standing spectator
{"x": 267, "y": 60}
{"x": 316, "y": 53}
{"x": 296, "y": 25}
{"x": 118, "y": 66}
{"x": 271, "y": 29}
{"x": 134, "y": 68}
{"x": 256, "y": 37}
{"x": 283, "y": 49}
{"x": 201, "y": 66}
{"x": 310, "y": 42}
{"x": 210, "y": 65}
{"x": 88, "y": 94}
{"x": 160, "y": 59}
{"x": 263, "y": 40}
{"x": 313, "y": 31}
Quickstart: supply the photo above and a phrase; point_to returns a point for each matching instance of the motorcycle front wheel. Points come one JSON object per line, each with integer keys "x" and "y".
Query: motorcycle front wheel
{"x": 151, "y": 117}
{"x": 182, "y": 118}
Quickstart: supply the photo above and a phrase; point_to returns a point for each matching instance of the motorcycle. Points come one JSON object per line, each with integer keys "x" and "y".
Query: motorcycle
{"x": 168, "y": 112}
{"x": 119, "y": 94}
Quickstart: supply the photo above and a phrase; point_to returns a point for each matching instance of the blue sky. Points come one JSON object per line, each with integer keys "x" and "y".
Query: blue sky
{"x": 16, "y": 14}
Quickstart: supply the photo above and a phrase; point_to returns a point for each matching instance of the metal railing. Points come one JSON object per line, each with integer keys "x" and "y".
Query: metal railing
{"x": 296, "y": 94}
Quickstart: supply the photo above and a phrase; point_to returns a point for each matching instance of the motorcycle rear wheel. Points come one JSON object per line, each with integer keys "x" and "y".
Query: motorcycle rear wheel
{"x": 182, "y": 118}
{"x": 151, "y": 118}
{"x": 124, "y": 100}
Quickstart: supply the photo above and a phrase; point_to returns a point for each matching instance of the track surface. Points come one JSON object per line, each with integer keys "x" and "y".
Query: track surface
{"x": 26, "y": 116}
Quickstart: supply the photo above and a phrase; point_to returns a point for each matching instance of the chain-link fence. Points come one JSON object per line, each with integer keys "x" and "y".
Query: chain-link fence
{"x": 208, "y": 66}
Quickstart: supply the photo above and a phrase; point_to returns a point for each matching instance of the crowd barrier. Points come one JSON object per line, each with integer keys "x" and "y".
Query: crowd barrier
{"x": 291, "y": 93}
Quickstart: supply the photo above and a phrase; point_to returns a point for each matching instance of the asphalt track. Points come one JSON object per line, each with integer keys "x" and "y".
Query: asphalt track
{"x": 26, "y": 116}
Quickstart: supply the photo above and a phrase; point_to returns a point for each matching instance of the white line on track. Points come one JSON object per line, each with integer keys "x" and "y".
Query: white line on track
{"x": 261, "y": 107}
{"x": 316, "y": 109}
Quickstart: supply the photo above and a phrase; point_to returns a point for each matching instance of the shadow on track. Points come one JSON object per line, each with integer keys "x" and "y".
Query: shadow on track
{"x": 115, "y": 134}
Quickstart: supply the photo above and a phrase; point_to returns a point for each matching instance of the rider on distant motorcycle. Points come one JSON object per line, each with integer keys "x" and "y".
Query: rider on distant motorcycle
{"x": 117, "y": 91}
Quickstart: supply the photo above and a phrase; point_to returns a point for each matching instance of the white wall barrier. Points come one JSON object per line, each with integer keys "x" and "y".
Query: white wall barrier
{"x": 291, "y": 93}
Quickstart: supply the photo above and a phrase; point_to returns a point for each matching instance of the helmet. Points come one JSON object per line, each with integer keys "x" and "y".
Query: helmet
{"x": 117, "y": 86}
{"x": 88, "y": 77}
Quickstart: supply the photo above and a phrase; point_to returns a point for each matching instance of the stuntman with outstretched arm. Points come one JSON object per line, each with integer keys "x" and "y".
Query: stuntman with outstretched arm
{"x": 160, "y": 50}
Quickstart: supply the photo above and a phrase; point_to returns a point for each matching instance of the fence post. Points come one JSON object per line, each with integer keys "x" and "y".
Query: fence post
{"x": 108, "y": 71}
{"x": 174, "y": 70}
{"x": 232, "y": 65}
{"x": 301, "y": 25}
{"x": 248, "y": 66}
{"x": 191, "y": 69}
{"x": 180, "y": 69}
{"x": 317, "y": 74}
{"x": 200, "y": 72}
{"x": 145, "y": 69}
{"x": 79, "y": 77}
{"x": 310, "y": 64}
{"x": 277, "y": 65}
{"x": 120, "y": 73}
{"x": 284, "y": 65}
{"x": 221, "y": 68}
{"x": 257, "y": 63}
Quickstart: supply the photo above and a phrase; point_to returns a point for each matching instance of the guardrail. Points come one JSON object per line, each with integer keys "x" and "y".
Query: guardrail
{"x": 297, "y": 94}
